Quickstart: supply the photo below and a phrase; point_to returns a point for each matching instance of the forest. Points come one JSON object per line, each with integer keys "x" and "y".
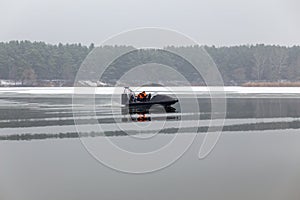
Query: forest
{"x": 29, "y": 62}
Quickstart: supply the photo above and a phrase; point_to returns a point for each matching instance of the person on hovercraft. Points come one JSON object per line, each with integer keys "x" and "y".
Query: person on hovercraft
{"x": 142, "y": 96}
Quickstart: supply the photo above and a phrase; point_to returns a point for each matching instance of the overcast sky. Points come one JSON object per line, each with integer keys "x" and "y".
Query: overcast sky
{"x": 211, "y": 22}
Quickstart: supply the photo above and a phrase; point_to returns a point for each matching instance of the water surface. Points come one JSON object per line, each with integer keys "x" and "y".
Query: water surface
{"x": 257, "y": 156}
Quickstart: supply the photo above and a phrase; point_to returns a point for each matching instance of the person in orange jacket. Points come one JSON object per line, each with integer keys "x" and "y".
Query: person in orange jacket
{"x": 142, "y": 96}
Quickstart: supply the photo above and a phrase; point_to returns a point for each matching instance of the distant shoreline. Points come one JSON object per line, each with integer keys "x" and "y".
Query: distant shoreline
{"x": 248, "y": 84}
{"x": 271, "y": 84}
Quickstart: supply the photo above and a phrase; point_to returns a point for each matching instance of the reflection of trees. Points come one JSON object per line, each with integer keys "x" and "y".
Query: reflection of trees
{"x": 263, "y": 108}
{"x": 277, "y": 108}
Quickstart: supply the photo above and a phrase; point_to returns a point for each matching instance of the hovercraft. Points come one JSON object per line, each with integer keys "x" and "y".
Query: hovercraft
{"x": 130, "y": 99}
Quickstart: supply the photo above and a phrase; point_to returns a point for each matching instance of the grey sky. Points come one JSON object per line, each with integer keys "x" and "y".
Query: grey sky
{"x": 218, "y": 22}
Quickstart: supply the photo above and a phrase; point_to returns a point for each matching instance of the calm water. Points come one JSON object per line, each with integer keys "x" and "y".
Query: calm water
{"x": 257, "y": 156}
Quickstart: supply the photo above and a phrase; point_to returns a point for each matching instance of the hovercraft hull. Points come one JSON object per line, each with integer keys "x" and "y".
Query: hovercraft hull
{"x": 149, "y": 103}
{"x": 163, "y": 100}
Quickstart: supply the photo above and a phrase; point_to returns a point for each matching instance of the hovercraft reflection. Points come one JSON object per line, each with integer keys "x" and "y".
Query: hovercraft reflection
{"x": 145, "y": 113}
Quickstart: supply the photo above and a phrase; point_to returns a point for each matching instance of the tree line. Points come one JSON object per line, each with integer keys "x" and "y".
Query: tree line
{"x": 30, "y": 61}
{"x": 26, "y": 61}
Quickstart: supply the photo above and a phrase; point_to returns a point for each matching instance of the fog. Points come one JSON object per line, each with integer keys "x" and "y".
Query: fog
{"x": 213, "y": 22}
